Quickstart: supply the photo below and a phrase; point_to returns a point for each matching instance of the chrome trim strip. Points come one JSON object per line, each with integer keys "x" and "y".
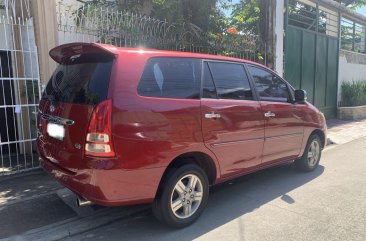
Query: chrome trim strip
{"x": 236, "y": 142}
{"x": 57, "y": 120}
{"x": 286, "y": 135}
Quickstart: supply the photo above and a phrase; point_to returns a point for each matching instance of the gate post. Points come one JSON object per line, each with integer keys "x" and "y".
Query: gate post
{"x": 279, "y": 36}
{"x": 45, "y": 25}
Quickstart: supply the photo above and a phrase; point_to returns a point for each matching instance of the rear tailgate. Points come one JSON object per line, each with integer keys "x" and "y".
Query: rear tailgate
{"x": 79, "y": 83}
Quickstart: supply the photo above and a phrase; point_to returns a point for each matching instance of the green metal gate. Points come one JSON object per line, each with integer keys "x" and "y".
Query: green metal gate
{"x": 312, "y": 52}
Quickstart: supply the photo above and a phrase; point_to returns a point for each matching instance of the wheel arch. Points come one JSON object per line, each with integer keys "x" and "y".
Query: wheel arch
{"x": 321, "y": 134}
{"x": 203, "y": 160}
{"x": 307, "y": 134}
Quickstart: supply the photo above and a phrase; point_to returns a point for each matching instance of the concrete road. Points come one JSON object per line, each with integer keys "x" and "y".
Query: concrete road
{"x": 275, "y": 204}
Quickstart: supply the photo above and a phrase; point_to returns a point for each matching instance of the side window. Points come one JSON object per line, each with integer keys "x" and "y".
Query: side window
{"x": 208, "y": 88}
{"x": 231, "y": 81}
{"x": 171, "y": 78}
{"x": 269, "y": 86}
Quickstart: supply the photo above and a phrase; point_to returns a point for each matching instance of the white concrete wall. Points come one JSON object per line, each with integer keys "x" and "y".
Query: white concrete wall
{"x": 352, "y": 67}
{"x": 68, "y": 32}
{"x": 349, "y": 71}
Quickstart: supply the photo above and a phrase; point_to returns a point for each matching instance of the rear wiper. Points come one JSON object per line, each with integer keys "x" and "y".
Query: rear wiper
{"x": 53, "y": 98}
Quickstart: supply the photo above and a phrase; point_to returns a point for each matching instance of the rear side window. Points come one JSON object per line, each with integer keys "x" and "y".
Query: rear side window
{"x": 83, "y": 80}
{"x": 171, "y": 78}
{"x": 231, "y": 81}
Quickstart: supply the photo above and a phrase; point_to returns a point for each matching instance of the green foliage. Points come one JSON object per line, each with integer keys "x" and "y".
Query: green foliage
{"x": 354, "y": 4}
{"x": 354, "y": 93}
{"x": 246, "y": 16}
{"x": 190, "y": 25}
{"x": 203, "y": 16}
{"x": 203, "y": 13}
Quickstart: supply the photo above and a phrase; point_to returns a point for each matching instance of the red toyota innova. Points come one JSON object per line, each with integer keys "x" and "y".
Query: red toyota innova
{"x": 121, "y": 126}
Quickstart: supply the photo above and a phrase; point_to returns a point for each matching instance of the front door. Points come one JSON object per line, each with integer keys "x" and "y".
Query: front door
{"x": 232, "y": 121}
{"x": 283, "y": 126}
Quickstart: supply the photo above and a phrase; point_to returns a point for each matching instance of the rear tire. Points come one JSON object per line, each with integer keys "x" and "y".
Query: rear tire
{"x": 312, "y": 154}
{"x": 182, "y": 196}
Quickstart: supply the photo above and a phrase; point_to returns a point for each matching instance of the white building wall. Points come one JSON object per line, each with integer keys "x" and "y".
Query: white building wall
{"x": 5, "y": 32}
{"x": 28, "y": 43}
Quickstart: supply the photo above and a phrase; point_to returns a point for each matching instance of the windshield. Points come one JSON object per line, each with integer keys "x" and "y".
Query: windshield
{"x": 83, "y": 79}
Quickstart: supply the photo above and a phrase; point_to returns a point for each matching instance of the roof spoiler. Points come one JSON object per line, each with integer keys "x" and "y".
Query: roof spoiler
{"x": 61, "y": 54}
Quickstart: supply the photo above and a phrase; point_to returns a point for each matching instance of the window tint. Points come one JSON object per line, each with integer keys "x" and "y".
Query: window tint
{"x": 269, "y": 86}
{"x": 231, "y": 81}
{"x": 171, "y": 78}
{"x": 83, "y": 80}
{"x": 209, "y": 90}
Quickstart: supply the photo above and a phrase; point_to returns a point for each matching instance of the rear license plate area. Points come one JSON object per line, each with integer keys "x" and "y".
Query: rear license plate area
{"x": 56, "y": 131}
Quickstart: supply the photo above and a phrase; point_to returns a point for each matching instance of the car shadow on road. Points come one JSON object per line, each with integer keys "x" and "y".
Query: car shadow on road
{"x": 227, "y": 202}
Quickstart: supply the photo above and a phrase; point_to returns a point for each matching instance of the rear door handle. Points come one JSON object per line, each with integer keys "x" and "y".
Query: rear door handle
{"x": 269, "y": 114}
{"x": 212, "y": 116}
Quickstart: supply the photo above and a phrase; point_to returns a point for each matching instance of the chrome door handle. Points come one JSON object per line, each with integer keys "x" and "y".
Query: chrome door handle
{"x": 212, "y": 116}
{"x": 269, "y": 114}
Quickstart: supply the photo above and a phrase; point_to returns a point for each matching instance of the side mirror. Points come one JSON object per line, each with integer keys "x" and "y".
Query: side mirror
{"x": 300, "y": 96}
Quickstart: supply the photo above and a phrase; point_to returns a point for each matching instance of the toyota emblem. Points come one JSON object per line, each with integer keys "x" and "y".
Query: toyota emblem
{"x": 52, "y": 108}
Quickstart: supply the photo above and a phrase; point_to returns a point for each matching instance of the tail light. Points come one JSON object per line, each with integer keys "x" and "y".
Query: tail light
{"x": 99, "y": 138}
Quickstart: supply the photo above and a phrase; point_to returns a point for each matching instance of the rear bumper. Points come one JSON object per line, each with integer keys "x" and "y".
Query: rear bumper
{"x": 109, "y": 187}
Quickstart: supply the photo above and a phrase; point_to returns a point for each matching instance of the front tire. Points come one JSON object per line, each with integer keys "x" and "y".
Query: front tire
{"x": 312, "y": 154}
{"x": 182, "y": 197}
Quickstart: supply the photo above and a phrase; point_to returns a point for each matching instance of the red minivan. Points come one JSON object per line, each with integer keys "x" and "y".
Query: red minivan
{"x": 122, "y": 126}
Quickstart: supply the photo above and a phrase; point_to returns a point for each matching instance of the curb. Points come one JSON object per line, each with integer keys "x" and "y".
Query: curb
{"x": 77, "y": 225}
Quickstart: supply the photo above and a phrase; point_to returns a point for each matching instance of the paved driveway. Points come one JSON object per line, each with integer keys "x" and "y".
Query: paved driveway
{"x": 275, "y": 204}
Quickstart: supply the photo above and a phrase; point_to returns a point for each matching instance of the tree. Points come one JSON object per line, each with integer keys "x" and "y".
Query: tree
{"x": 245, "y": 16}
{"x": 194, "y": 21}
{"x": 188, "y": 25}
{"x": 203, "y": 13}
{"x": 185, "y": 11}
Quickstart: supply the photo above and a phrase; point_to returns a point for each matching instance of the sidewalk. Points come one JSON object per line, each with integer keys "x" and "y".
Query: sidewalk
{"x": 340, "y": 131}
{"x": 35, "y": 207}
{"x": 28, "y": 202}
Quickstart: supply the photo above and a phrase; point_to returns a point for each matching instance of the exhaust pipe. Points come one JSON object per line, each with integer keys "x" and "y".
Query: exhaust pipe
{"x": 82, "y": 202}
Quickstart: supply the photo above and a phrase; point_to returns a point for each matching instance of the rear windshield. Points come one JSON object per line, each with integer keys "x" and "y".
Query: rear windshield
{"x": 83, "y": 79}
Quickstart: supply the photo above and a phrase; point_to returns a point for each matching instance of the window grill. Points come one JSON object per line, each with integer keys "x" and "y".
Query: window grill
{"x": 353, "y": 36}
{"x": 312, "y": 16}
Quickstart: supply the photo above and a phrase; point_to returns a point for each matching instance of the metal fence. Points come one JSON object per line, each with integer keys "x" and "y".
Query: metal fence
{"x": 126, "y": 29}
{"x": 19, "y": 90}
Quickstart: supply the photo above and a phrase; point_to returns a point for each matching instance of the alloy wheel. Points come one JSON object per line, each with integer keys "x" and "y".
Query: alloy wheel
{"x": 313, "y": 153}
{"x": 186, "y": 196}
